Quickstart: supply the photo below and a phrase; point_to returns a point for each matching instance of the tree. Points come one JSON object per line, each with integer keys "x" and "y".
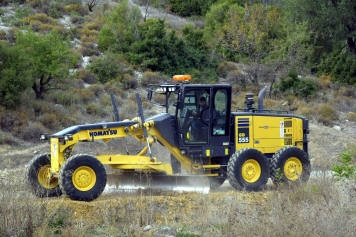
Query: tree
{"x": 121, "y": 29}
{"x": 50, "y": 59}
{"x": 14, "y": 78}
{"x": 252, "y": 32}
{"x": 331, "y": 21}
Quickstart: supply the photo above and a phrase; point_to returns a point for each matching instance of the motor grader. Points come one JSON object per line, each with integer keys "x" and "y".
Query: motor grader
{"x": 246, "y": 146}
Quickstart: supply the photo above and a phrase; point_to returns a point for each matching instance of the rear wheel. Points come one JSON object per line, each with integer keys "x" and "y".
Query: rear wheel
{"x": 290, "y": 164}
{"x": 82, "y": 178}
{"x": 248, "y": 169}
{"x": 39, "y": 177}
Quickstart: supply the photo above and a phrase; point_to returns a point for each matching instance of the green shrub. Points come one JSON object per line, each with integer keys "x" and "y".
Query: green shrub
{"x": 190, "y": 8}
{"x": 108, "y": 67}
{"x": 55, "y": 10}
{"x": 22, "y": 12}
{"x": 204, "y": 76}
{"x": 341, "y": 66}
{"x": 294, "y": 84}
{"x": 347, "y": 163}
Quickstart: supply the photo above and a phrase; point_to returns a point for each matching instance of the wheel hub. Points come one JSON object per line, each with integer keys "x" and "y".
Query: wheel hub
{"x": 251, "y": 171}
{"x": 84, "y": 178}
{"x": 293, "y": 168}
{"x": 45, "y": 178}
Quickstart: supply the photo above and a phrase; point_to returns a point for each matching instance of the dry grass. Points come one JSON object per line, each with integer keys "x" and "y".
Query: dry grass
{"x": 314, "y": 209}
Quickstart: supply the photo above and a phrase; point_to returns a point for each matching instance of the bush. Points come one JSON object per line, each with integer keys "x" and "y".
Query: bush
{"x": 129, "y": 82}
{"x": 347, "y": 163}
{"x": 86, "y": 75}
{"x": 351, "y": 117}
{"x": 294, "y": 84}
{"x": 55, "y": 10}
{"x": 12, "y": 121}
{"x": 64, "y": 97}
{"x": 204, "y": 76}
{"x": 33, "y": 131}
{"x": 225, "y": 68}
{"x": 341, "y": 66}
{"x": 108, "y": 67}
{"x": 6, "y": 138}
{"x": 149, "y": 77}
{"x": 79, "y": 8}
{"x": 95, "y": 109}
{"x": 326, "y": 114}
{"x": 97, "y": 89}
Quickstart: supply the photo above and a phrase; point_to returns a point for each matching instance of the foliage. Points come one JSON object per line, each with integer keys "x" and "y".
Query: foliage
{"x": 156, "y": 50}
{"x": 149, "y": 77}
{"x": 120, "y": 29}
{"x": 252, "y": 32}
{"x": 14, "y": 79}
{"x": 190, "y": 8}
{"x": 326, "y": 114}
{"x": 295, "y": 84}
{"x": 225, "y": 67}
{"x": 49, "y": 57}
{"x": 328, "y": 26}
{"x": 86, "y": 76}
{"x": 108, "y": 67}
{"x": 341, "y": 66}
{"x": 347, "y": 163}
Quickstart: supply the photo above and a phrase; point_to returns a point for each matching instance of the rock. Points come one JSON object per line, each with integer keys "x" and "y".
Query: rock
{"x": 147, "y": 228}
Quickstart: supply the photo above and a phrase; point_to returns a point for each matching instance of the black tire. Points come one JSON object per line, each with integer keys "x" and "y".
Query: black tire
{"x": 82, "y": 178}
{"x": 248, "y": 169}
{"x": 216, "y": 182}
{"x": 290, "y": 164}
{"x": 176, "y": 166}
{"x": 37, "y": 176}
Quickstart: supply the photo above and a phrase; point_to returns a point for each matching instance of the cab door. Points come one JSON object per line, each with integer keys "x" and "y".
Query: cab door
{"x": 220, "y": 130}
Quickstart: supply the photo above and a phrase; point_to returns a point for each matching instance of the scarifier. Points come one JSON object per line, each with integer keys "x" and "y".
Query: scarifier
{"x": 246, "y": 146}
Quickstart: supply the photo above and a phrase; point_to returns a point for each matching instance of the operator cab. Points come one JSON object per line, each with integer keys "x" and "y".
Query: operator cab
{"x": 202, "y": 133}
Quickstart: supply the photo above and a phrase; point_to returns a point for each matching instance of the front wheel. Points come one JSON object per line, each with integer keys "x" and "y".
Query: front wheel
{"x": 248, "y": 169}
{"x": 290, "y": 164}
{"x": 82, "y": 178}
{"x": 38, "y": 175}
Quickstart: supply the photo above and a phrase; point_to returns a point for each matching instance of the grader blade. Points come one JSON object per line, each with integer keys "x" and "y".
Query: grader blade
{"x": 132, "y": 182}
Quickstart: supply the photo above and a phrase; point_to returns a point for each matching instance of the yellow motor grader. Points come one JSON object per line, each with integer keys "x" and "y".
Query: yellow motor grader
{"x": 246, "y": 146}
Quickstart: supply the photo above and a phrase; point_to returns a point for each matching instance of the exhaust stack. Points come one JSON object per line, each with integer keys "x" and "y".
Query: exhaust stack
{"x": 261, "y": 96}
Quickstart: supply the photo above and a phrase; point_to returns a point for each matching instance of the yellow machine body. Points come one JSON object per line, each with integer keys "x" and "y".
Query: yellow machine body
{"x": 268, "y": 133}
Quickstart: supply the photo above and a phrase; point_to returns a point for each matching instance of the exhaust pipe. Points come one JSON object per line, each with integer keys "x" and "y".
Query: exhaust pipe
{"x": 261, "y": 96}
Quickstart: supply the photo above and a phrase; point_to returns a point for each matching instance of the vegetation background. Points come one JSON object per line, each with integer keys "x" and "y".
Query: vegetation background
{"x": 59, "y": 60}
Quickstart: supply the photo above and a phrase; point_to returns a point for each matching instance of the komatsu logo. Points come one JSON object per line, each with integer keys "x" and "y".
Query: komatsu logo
{"x": 102, "y": 133}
